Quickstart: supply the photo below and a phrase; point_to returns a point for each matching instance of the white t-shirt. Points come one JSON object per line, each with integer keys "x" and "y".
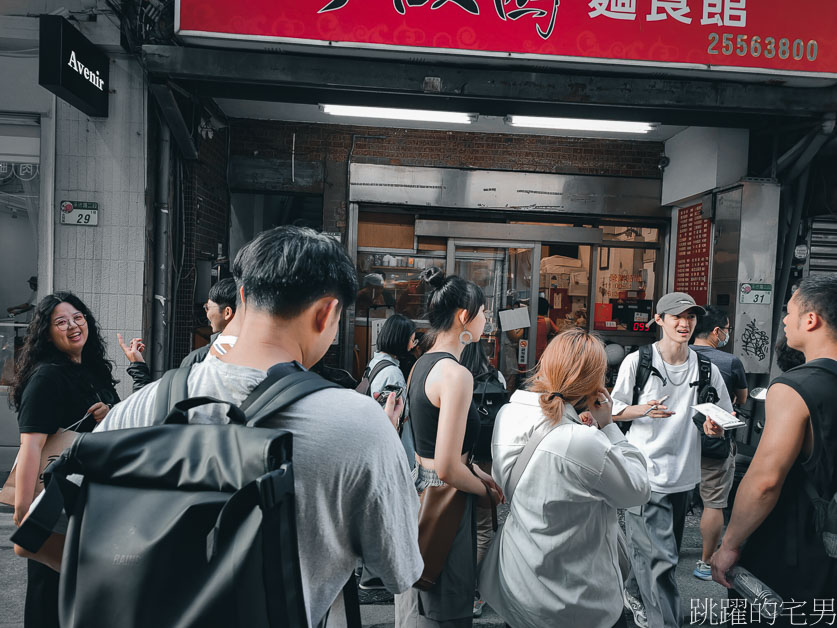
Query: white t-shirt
{"x": 354, "y": 495}
{"x": 671, "y": 445}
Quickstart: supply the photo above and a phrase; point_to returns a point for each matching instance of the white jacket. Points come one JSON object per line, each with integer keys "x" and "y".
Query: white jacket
{"x": 554, "y": 562}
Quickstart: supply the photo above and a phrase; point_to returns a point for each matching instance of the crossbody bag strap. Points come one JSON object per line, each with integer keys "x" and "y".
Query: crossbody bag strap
{"x": 526, "y": 455}
{"x": 380, "y": 366}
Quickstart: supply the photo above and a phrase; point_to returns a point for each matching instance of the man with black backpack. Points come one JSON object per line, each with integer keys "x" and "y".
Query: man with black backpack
{"x": 655, "y": 390}
{"x": 717, "y": 460}
{"x": 785, "y": 511}
{"x": 354, "y": 498}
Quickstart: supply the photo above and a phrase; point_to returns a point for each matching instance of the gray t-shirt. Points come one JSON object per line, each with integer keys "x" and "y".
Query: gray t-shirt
{"x": 732, "y": 370}
{"x": 354, "y": 495}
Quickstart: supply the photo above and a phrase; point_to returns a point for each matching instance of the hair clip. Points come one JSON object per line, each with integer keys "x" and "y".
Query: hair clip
{"x": 556, "y": 394}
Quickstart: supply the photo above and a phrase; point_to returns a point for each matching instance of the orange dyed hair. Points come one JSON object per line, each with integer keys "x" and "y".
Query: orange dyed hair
{"x": 573, "y": 364}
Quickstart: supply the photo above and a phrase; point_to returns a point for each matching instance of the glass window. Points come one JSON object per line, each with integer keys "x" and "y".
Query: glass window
{"x": 389, "y": 283}
{"x": 624, "y": 289}
{"x": 629, "y": 234}
{"x": 564, "y": 290}
{"x": 19, "y": 204}
{"x": 505, "y": 276}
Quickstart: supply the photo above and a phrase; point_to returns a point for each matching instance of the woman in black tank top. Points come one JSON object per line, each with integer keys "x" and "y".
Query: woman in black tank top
{"x": 445, "y": 426}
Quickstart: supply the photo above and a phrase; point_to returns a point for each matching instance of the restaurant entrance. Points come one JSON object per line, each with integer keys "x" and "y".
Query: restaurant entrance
{"x": 541, "y": 274}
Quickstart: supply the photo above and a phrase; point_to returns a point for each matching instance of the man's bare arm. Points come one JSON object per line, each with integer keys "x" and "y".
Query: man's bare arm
{"x": 784, "y": 432}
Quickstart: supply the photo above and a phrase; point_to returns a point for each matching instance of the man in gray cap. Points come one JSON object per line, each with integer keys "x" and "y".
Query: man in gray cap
{"x": 662, "y": 429}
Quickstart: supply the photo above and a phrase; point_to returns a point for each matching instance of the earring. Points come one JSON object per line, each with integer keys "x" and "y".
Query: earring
{"x": 465, "y": 337}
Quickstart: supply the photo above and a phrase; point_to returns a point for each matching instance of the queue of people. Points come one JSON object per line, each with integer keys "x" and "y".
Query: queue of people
{"x": 557, "y": 456}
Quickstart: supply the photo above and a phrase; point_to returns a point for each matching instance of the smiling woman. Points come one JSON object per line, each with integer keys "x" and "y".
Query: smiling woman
{"x": 62, "y": 376}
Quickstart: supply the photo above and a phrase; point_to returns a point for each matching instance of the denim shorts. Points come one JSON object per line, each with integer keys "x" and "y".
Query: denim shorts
{"x": 425, "y": 477}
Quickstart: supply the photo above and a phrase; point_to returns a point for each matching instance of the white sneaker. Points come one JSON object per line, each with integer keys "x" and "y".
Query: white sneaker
{"x": 637, "y": 608}
{"x": 702, "y": 571}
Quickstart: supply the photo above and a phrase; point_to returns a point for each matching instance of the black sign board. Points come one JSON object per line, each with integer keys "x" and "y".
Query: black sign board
{"x": 72, "y": 68}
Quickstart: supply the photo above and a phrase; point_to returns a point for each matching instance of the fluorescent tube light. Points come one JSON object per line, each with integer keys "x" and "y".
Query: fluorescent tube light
{"x": 580, "y": 124}
{"x": 386, "y": 113}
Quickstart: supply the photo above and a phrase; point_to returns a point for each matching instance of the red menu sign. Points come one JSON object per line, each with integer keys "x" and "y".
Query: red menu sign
{"x": 691, "y": 268}
{"x": 770, "y": 36}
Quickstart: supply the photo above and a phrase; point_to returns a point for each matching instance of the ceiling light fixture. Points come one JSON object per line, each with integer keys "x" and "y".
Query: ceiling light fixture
{"x": 580, "y": 124}
{"x": 386, "y": 113}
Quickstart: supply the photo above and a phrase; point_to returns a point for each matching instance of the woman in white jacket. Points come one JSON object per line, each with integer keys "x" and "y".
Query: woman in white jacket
{"x": 555, "y": 560}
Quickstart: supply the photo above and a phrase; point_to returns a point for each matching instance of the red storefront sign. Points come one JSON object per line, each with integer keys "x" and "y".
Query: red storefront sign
{"x": 754, "y": 35}
{"x": 691, "y": 267}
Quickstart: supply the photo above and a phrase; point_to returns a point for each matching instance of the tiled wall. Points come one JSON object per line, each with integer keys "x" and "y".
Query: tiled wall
{"x": 103, "y": 161}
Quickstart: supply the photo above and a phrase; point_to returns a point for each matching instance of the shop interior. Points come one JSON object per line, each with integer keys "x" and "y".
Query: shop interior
{"x": 534, "y": 289}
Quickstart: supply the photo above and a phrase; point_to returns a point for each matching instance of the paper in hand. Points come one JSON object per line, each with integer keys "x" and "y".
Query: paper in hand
{"x": 719, "y": 416}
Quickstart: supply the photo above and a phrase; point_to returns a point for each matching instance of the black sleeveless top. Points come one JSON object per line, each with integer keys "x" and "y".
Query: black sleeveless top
{"x": 424, "y": 416}
{"x": 785, "y": 552}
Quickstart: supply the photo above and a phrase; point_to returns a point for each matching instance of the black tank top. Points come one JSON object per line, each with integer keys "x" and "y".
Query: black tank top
{"x": 797, "y": 565}
{"x": 424, "y": 416}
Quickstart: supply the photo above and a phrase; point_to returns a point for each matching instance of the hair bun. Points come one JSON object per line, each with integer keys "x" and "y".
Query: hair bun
{"x": 433, "y": 276}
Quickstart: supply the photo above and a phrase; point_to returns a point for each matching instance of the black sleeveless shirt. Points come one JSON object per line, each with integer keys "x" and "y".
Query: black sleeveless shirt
{"x": 424, "y": 416}
{"x": 785, "y": 552}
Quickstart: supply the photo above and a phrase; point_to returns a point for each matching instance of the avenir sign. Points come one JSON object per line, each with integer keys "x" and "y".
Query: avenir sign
{"x": 73, "y": 68}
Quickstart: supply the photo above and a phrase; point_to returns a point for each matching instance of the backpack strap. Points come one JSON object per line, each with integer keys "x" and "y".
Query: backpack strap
{"x": 704, "y": 373}
{"x": 273, "y": 396}
{"x": 173, "y": 387}
{"x": 644, "y": 370}
{"x": 371, "y": 375}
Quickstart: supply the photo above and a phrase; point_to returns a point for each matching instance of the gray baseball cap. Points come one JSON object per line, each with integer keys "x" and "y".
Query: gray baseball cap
{"x": 677, "y": 303}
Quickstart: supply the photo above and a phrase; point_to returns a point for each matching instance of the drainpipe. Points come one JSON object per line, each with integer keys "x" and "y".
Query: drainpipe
{"x": 798, "y": 175}
{"x": 160, "y": 310}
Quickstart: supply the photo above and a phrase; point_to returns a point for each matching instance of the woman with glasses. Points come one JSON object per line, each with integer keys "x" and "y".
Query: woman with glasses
{"x": 62, "y": 376}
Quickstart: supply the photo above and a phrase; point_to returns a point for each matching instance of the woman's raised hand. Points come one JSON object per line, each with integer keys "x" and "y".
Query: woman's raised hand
{"x": 133, "y": 350}
{"x": 601, "y": 408}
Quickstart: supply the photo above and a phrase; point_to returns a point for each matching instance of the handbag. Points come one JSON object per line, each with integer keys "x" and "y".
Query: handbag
{"x": 54, "y": 445}
{"x": 441, "y": 509}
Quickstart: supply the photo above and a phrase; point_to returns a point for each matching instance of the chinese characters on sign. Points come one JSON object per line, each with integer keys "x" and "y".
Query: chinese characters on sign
{"x": 691, "y": 270}
{"x": 764, "y": 35}
{"x": 520, "y": 9}
{"x": 718, "y": 12}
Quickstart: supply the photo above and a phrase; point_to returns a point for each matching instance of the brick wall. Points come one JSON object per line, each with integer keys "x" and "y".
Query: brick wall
{"x": 330, "y": 145}
{"x": 103, "y": 161}
{"x": 206, "y": 211}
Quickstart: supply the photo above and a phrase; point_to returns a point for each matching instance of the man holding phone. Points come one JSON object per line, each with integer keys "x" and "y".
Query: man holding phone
{"x": 662, "y": 429}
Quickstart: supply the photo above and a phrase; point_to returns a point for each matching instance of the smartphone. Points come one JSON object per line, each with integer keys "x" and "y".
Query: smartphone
{"x": 385, "y": 393}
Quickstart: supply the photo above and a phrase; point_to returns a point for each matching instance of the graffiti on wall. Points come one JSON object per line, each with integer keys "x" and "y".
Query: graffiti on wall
{"x": 754, "y": 341}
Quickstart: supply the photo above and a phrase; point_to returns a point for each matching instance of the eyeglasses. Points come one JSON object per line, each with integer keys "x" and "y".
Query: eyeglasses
{"x": 78, "y": 320}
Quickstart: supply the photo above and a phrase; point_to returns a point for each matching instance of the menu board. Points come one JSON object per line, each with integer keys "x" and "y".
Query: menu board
{"x": 691, "y": 268}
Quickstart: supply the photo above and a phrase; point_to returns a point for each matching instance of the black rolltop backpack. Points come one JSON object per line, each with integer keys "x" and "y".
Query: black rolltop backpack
{"x": 182, "y": 526}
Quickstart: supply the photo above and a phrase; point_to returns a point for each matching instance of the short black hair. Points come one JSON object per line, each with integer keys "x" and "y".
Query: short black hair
{"x": 395, "y": 334}
{"x": 285, "y": 269}
{"x": 543, "y": 306}
{"x": 714, "y": 317}
{"x": 818, "y": 294}
{"x": 224, "y": 294}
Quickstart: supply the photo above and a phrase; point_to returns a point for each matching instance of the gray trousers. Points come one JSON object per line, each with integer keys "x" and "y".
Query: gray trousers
{"x": 655, "y": 532}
